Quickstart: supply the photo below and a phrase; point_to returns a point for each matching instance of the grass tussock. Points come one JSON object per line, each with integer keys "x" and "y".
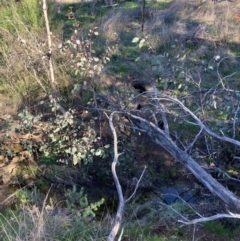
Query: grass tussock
{"x": 118, "y": 21}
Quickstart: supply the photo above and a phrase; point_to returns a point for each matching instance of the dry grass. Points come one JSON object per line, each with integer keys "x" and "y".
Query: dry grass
{"x": 218, "y": 22}
{"x": 32, "y": 224}
{"x": 117, "y": 21}
{"x": 24, "y": 66}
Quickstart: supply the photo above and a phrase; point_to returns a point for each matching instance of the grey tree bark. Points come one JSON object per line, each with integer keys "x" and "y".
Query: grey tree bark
{"x": 160, "y": 138}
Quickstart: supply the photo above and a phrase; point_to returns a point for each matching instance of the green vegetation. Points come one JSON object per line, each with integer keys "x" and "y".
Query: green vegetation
{"x": 218, "y": 228}
{"x": 57, "y": 148}
{"x": 17, "y": 17}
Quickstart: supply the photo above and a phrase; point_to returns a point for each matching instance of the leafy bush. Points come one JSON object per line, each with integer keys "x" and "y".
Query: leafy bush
{"x": 79, "y": 205}
{"x": 66, "y": 136}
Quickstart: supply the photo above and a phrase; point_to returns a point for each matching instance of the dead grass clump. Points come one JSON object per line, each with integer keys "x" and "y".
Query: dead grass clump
{"x": 115, "y": 22}
{"x": 219, "y": 19}
{"x": 31, "y": 223}
{"x": 216, "y": 23}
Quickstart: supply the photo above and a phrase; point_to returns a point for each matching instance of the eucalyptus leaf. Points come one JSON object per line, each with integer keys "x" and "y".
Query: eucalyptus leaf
{"x": 142, "y": 42}
{"x": 135, "y": 40}
{"x": 74, "y": 149}
{"x": 98, "y": 152}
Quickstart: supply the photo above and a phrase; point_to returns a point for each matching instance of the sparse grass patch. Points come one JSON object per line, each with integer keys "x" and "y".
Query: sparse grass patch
{"x": 121, "y": 69}
{"x": 131, "y": 5}
{"x": 218, "y": 228}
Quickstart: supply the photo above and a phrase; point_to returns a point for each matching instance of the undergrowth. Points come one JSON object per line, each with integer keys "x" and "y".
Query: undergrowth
{"x": 181, "y": 47}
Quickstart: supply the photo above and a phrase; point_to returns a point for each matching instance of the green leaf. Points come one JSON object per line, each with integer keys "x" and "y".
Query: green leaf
{"x": 74, "y": 149}
{"x": 214, "y": 104}
{"x": 98, "y": 152}
{"x": 135, "y": 40}
{"x": 142, "y": 42}
{"x": 75, "y": 160}
{"x": 137, "y": 59}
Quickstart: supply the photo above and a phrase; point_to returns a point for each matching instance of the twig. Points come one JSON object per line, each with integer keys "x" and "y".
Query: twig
{"x": 136, "y": 187}
{"x": 225, "y": 174}
{"x": 143, "y": 14}
{"x": 13, "y": 194}
{"x": 163, "y": 113}
{"x": 174, "y": 210}
{"x": 214, "y": 217}
{"x": 195, "y": 139}
{"x": 199, "y": 122}
{"x": 228, "y": 76}
{"x": 120, "y": 236}
{"x": 234, "y": 121}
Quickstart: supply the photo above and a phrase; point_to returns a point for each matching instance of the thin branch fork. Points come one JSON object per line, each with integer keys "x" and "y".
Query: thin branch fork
{"x": 122, "y": 202}
{"x": 118, "y": 218}
{"x": 199, "y": 122}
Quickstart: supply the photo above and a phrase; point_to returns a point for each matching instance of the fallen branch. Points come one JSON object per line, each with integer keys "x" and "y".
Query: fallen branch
{"x": 214, "y": 217}
{"x": 118, "y": 217}
{"x": 122, "y": 202}
{"x": 159, "y": 137}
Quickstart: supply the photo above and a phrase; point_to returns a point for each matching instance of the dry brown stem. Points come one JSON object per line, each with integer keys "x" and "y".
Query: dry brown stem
{"x": 55, "y": 93}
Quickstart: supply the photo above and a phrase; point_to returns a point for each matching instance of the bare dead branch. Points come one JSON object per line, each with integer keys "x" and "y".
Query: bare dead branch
{"x": 174, "y": 210}
{"x": 159, "y": 137}
{"x": 195, "y": 139}
{"x": 118, "y": 217}
{"x": 221, "y": 80}
{"x": 225, "y": 174}
{"x": 234, "y": 120}
{"x": 214, "y": 217}
{"x": 199, "y": 122}
{"x": 136, "y": 187}
{"x": 163, "y": 113}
